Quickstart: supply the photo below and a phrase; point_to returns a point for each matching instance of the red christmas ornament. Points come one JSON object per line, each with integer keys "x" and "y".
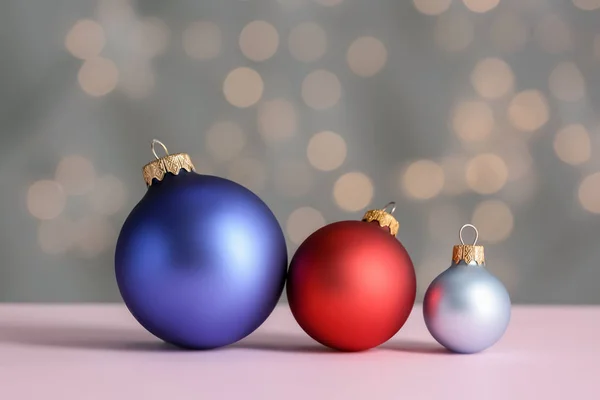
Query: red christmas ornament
{"x": 351, "y": 284}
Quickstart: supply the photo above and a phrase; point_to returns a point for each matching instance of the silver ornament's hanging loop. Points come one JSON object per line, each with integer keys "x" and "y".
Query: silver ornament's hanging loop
{"x": 460, "y": 233}
{"x": 153, "y": 147}
{"x": 390, "y": 204}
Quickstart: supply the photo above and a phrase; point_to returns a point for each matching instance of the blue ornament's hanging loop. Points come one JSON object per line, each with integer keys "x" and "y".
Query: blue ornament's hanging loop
{"x": 461, "y": 232}
{"x": 153, "y": 147}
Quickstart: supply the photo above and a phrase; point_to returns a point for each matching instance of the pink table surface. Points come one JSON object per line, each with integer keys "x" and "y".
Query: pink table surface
{"x": 100, "y": 352}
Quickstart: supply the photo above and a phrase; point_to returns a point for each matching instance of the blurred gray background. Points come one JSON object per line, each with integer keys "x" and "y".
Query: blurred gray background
{"x": 481, "y": 111}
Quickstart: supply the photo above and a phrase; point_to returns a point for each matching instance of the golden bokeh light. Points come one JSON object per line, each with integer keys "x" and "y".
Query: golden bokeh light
{"x": 473, "y": 120}
{"x": 366, "y": 56}
{"x": 321, "y": 89}
{"x": 243, "y": 87}
{"x": 494, "y": 220}
{"x": 589, "y": 193}
{"x": 76, "y": 174}
{"x": 432, "y": 7}
{"x": 454, "y": 174}
{"x": 509, "y": 32}
{"x": 572, "y": 144}
{"x": 492, "y": 78}
{"x": 259, "y": 40}
{"x": 108, "y": 196}
{"x": 56, "y": 236}
{"x": 443, "y": 220}
{"x": 277, "y": 120}
{"x": 302, "y": 222}
{"x": 94, "y": 235}
{"x": 587, "y": 5}
{"x": 152, "y": 36}
{"x": 202, "y": 40}
{"x": 486, "y": 173}
{"x": 248, "y": 172}
{"x": 328, "y": 3}
{"x": 293, "y": 178}
{"x": 528, "y": 110}
{"x": 86, "y": 39}
{"x": 225, "y": 140}
{"x": 98, "y": 76}
{"x": 553, "y": 34}
{"x": 353, "y": 191}
{"x": 46, "y": 199}
{"x": 307, "y": 42}
{"x": 566, "y": 82}
{"x": 453, "y": 32}
{"x": 326, "y": 150}
{"x": 423, "y": 179}
{"x": 137, "y": 80}
{"x": 481, "y": 6}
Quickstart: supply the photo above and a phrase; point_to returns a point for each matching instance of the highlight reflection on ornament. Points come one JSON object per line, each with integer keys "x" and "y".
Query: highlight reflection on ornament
{"x": 467, "y": 309}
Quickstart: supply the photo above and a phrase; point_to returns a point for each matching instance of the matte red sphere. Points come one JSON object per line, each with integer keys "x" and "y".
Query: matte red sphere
{"x": 351, "y": 285}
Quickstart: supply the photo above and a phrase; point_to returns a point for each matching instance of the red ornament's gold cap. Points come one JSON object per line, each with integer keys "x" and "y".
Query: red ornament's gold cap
{"x": 468, "y": 252}
{"x": 383, "y": 218}
{"x": 172, "y": 163}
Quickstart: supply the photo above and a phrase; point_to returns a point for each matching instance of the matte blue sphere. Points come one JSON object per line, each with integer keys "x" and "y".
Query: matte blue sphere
{"x": 200, "y": 261}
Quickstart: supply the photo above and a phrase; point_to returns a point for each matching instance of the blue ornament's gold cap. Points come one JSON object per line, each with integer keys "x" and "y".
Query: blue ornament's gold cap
{"x": 172, "y": 163}
{"x": 468, "y": 252}
{"x": 383, "y": 218}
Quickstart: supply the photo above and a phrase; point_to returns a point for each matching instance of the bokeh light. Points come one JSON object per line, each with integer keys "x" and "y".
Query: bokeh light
{"x": 553, "y": 34}
{"x": 46, "y": 199}
{"x": 566, "y": 82}
{"x": 572, "y": 144}
{"x": 225, "y": 140}
{"x": 494, "y": 220}
{"x": 528, "y": 110}
{"x": 423, "y": 179}
{"x": 486, "y": 173}
{"x": 108, "y": 195}
{"x": 353, "y": 191}
{"x": 481, "y": 6}
{"x": 321, "y": 89}
{"x": 248, "y": 172}
{"x": 307, "y": 42}
{"x": 589, "y": 193}
{"x": 277, "y": 120}
{"x": 366, "y": 56}
{"x": 432, "y": 7}
{"x": 293, "y": 178}
{"x": 202, "y": 40}
{"x": 56, "y": 236}
{"x": 93, "y": 235}
{"x": 473, "y": 120}
{"x": 259, "y": 40}
{"x": 76, "y": 174}
{"x": 302, "y": 222}
{"x": 243, "y": 87}
{"x": 152, "y": 36}
{"x": 492, "y": 78}
{"x": 587, "y": 5}
{"x": 453, "y": 32}
{"x": 137, "y": 80}
{"x": 98, "y": 76}
{"x": 509, "y": 32}
{"x": 326, "y": 150}
{"x": 454, "y": 174}
{"x": 86, "y": 39}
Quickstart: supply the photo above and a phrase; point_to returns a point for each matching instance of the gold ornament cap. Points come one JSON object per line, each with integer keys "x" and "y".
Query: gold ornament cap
{"x": 384, "y": 218}
{"x": 468, "y": 252}
{"x": 170, "y": 163}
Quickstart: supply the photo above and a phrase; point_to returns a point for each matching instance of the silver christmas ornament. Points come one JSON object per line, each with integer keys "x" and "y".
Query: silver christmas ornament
{"x": 466, "y": 308}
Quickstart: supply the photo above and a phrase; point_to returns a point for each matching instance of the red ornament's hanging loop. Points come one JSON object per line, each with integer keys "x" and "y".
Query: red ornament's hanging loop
{"x": 384, "y": 218}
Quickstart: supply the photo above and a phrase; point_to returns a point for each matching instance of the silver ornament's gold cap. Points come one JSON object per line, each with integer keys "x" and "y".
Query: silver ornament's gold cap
{"x": 170, "y": 163}
{"x": 468, "y": 252}
{"x": 383, "y": 218}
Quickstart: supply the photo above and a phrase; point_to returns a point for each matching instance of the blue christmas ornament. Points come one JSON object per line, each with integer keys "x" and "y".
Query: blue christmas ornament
{"x": 200, "y": 261}
{"x": 466, "y": 308}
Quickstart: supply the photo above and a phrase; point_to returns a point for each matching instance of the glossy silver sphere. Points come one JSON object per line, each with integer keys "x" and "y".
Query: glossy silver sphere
{"x": 466, "y": 308}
